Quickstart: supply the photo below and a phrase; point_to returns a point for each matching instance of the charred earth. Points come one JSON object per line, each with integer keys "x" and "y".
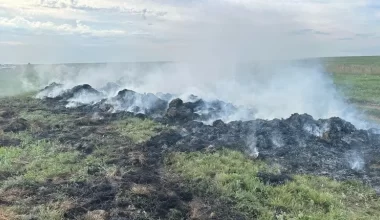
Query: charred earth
{"x": 127, "y": 155}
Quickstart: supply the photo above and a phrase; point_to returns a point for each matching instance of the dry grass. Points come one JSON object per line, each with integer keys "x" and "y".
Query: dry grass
{"x": 137, "y": 158}
{"x": 7, "y": 215}
{"x": 354, "y": 69}
{"x": 353, "y": 65}
{"x": 199, "y": 210}
{"x": 375, "y": 166}
{"x": 96, "y": 215}
{"x": 13, "y": 194}
{"x": 139, "y": 189}
{"x": 67, "y": 205}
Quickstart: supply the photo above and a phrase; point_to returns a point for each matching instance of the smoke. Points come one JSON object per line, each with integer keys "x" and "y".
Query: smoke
{"x": 216, "y": 48}
{"x": 315, "y": 130}
{"x": 355, "y": 161}
{"x": 52, "y": 91}
{"x": 251, "y": 142}
{"x": 84, "y": 98}
{"x": 265, "y": 90}
{"x": 135, "y": 102}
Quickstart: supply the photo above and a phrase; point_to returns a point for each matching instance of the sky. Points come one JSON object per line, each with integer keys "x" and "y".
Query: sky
{"x": 73, "y": 31}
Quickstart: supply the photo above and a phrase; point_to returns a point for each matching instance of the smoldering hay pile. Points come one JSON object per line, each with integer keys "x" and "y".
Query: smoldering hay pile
{"x": 153, "y": 105}
{"x": 298, "y": 144}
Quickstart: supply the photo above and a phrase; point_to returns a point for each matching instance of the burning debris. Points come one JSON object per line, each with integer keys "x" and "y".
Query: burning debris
{"x": 286, "y": 143}
{"x": 51, "y": 91}
{"x": 299, "y": 144}
{"x": 128, "y": 100}
{"x": 147, "y": 103}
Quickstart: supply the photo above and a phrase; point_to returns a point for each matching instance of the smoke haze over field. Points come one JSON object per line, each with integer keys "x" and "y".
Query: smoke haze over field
{"x": 271, "y": 89}
{"x": 211, "y": 40}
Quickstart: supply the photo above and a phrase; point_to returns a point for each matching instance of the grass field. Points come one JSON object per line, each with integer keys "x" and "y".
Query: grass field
{"x": 359, "y": 88}
{"x": 64, "y": 165}
{"x": 353, "y": 65}
{"x": 233, "y": 176}
{"x": 358, "y": 78}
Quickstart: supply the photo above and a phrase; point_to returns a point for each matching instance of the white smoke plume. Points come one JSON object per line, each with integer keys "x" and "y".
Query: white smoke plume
{"x": 251, "y": 142}
{"x": 84, "y": 98}
{"x": 355, "y": 161}
{"x": 270, "y": 90}
{"x": 316, "y": 130}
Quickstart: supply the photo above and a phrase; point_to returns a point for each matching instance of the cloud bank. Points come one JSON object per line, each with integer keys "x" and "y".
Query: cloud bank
{"x": 147, "y": 30}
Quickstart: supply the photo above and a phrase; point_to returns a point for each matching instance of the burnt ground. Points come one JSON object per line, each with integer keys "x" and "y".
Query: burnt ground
{"x": 118, "y": 170}
{"x": 135, "y": 187}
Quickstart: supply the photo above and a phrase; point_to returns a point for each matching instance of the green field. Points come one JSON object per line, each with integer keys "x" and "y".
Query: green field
{"x": 233, "y": 176}
{"x": 359, "y": 88}
{"x": 353, "y": 65}
{"x": 358, "y": 78}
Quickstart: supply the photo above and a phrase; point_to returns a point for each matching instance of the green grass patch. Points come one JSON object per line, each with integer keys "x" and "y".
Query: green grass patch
{"x": 46, "y": 212}
{"x": 231, "y": 175}
{"x": 47, "y": 164}
{"x": 51, "y": 211}
{"x": 372, "y": 112}
{"x": 359, "y": 88}
{"x": 9, "y": 158}
{"x": 138, "y": 130}
{"x": 45, "y": 116}
{"x": 21, "y": 101}
{"x": 39, "y": 119}
{"x": 355, "y": 60}
{"x": 39, "y": 161}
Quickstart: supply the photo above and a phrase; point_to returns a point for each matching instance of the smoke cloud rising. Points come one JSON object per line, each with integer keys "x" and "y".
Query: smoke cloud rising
{"x": 270, "y": 89}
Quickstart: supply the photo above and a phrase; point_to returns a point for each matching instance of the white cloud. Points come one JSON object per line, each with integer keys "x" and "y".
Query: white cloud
{"x": 239, "y": 28}
{"x": 79, "y": 28}
{"x": 139, "y": 8}
{"x": 11, "y": 43}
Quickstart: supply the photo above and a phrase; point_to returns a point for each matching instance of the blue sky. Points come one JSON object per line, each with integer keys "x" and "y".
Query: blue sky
{"x": 58, "y": 31}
